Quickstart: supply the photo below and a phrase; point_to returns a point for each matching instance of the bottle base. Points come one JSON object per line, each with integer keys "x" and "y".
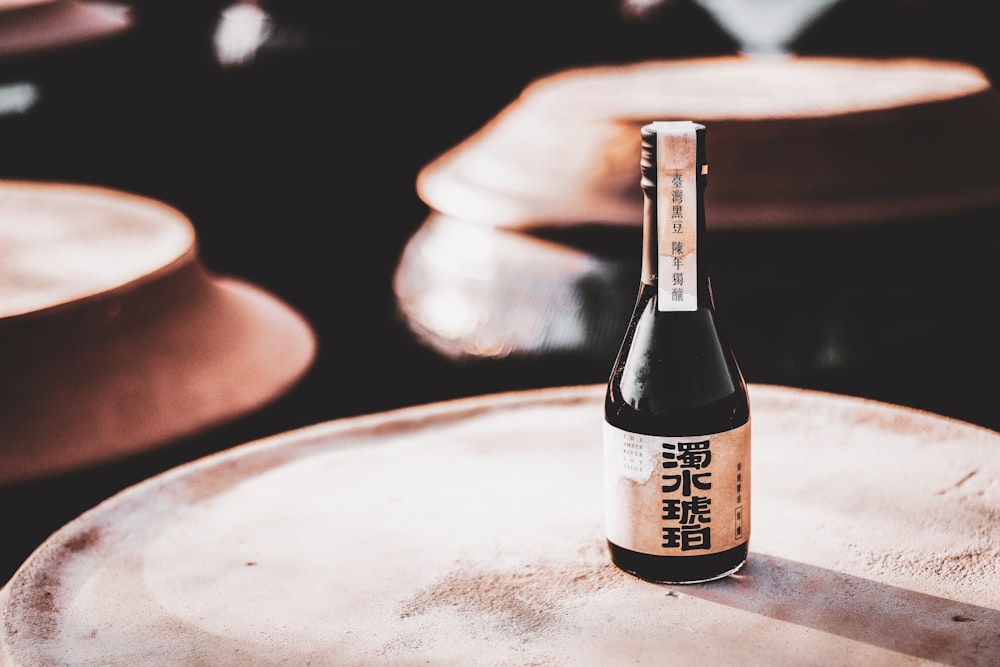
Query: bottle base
{"x": 679, "y": 569}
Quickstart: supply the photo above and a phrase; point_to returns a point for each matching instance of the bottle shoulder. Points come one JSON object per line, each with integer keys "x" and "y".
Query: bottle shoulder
{"x": 726, "y": 414}
{"x": 675, "y": 374}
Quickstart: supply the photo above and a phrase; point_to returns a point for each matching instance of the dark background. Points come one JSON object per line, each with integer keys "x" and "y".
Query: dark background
{"x": 297, "y": 169}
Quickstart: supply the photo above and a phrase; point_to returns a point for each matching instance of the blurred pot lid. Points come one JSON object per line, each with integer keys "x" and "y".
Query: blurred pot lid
{"x": 115, "y": 339}
{"x": 792, "y": 141}
{"x": 29, "y": 26}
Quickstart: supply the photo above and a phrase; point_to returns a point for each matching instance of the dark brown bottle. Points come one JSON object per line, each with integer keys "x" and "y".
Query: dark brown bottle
{"x": 677, "y": 415}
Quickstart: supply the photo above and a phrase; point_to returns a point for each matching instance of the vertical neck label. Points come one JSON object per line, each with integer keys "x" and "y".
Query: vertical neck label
{"x": 677, "y": 215}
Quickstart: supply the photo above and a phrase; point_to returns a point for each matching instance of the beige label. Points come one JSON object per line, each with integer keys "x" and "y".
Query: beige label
{"x": 677, "y": 496}
{"x": 677, "y": 215}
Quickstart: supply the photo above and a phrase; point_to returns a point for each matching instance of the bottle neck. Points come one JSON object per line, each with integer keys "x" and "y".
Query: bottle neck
{"x": 674, "y": 176}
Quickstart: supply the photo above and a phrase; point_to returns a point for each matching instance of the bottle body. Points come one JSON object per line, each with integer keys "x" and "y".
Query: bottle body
{"x": 677, "y": 415}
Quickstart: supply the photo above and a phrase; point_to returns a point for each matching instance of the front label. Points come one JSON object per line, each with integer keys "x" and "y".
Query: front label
{"x": 677, "y": 496}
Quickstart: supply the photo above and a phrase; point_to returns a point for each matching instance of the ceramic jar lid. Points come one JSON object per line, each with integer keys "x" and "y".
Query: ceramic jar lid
{"x": 792, "y": 141}
{"x": 115, "y": 339}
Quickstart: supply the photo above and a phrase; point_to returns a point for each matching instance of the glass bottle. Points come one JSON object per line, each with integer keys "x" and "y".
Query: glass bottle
{"x": 677, "y": 414}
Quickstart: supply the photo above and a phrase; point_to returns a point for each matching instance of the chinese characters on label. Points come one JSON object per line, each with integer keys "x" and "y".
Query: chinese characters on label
{"x": 687, "y": 514}
{"x": 738, "y": 514}
{"x": 677, "y": 247}
{"x": 677, "y": 217}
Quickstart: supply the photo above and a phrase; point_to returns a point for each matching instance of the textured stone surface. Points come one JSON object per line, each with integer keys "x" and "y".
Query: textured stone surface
{"x": 470, "y": 532}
